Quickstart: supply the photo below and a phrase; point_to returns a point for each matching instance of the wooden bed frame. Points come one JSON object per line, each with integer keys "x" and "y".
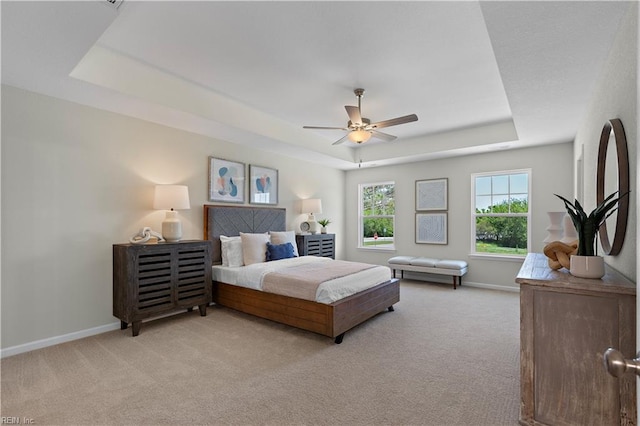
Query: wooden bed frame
{"x": 331, "y": 320}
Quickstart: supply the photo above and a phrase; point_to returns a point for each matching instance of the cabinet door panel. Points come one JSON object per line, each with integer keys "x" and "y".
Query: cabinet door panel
{"x": 571, "y": 332}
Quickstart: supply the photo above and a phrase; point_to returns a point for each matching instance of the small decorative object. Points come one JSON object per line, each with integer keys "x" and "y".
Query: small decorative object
{"x": 226, "y": 181}
{"x": 559, "y": 254}
{"x": 323, "y": 223}
{"x": 264, "y": 185}
{"x": 431, "y": 228}
{"x": 311, "y": 206}
{"x": 146, "y": 236}
{"x": 431, "y": 194}
{"x": 555, "y": 229}
{"x": 171, "y": 197}
{"x": 570, "y": 234}
{"x": 304, "y": 227}
{"x": 587, "y": 229}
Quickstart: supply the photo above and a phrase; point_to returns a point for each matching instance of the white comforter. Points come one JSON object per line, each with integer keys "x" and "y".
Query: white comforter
{"x": 328, "y": 292}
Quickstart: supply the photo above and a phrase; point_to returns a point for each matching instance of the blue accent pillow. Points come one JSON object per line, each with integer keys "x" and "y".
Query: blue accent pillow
{"x": 279, "y": 251}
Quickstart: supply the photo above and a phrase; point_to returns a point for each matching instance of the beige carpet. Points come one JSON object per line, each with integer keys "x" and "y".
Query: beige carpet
{"x": 444, "y": 357}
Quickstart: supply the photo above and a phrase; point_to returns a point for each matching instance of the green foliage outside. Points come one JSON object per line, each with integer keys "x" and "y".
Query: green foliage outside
{"x": 502, "y": 234}
{"x": 378, "y": 201}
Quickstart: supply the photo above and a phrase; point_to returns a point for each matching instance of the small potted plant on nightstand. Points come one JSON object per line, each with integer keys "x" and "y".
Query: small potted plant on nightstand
{"x": 323, "y": 223}
{"x": 586, "y": 263}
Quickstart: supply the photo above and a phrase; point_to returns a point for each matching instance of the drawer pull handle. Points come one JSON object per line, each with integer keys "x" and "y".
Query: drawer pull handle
{"x": 616, "y": 364}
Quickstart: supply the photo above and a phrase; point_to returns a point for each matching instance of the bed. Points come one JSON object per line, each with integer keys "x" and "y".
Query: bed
{"x": 329, "y": 319}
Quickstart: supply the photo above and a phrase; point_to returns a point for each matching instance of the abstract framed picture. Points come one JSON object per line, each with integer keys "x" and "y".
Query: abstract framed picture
{"x": 431, "y": 228}
{"x": 226, "y": 181}
{"x": 263, "y": 185}
{"x": 431, "y": 194}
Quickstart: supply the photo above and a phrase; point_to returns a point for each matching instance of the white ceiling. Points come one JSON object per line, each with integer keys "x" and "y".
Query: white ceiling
{"x": 480, "y": 76}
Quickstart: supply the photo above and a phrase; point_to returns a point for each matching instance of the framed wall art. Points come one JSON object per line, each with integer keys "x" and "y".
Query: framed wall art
{"x": 226, "y": 181}
{"x": 431, "y": 194}
{"x": 431, "y": 228}
{"x": 263, "y": 185}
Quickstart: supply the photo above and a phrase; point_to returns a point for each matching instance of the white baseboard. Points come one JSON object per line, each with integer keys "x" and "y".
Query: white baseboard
{"x": 39, "y": 344}
{"x": 438, "y": 279}
{"x": 512, "y": 289}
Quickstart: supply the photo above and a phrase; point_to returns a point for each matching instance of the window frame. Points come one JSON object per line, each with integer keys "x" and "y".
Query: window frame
{"x": 474, "y": 215}
{"x": 384, "y": 247}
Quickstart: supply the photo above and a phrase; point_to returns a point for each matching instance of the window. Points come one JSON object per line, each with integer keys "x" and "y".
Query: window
{"x": 377, "y": 215}
{"x": 500, "y": 217}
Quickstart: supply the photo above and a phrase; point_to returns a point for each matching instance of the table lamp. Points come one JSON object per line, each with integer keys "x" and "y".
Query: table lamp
{"x": 171, "y": 198}
{"x": 311, "y": 206}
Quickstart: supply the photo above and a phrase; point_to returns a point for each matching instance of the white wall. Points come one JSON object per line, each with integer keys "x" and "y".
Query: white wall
{"x": 615, "y": 96}
{"x": 76, "y": 180}
{"x": 552, "y": 172}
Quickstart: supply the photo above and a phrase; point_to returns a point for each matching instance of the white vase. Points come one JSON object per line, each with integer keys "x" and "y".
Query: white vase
{"x": 587, "y": 266}
{"x": 555, "y": 229}
{"x": 570, "y": 233}
{"x": 323, "y": 230}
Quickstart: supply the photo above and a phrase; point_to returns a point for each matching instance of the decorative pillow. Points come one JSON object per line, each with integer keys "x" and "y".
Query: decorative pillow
{"x": 281, "y": 237}
{"x": 254, "y": 247}
{"x": 279, "y": 251}
{"x": 231, "y": 248}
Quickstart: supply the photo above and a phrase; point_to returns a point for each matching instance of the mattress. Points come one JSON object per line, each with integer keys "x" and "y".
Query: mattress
{"x": 328, "y": 292}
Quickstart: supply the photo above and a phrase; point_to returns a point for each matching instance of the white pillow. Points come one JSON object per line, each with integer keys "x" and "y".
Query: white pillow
{"x": 254, "y": 247}
{"x": 231, "y": 251}
{"x": 283, "y": 237}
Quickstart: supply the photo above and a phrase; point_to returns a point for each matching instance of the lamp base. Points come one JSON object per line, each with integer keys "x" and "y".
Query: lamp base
{"x": 313, "y": 225}
{"x": 172, "y": 227}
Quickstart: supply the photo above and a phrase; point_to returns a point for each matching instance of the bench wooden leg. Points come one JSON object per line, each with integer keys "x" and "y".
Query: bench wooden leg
{"x": 457, "y": 280}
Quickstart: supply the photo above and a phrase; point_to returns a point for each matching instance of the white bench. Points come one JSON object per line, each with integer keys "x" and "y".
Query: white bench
{"x": 455, "y": 268}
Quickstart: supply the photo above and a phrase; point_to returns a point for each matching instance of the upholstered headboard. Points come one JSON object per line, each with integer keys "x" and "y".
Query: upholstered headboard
{"x": 231, "y": 220}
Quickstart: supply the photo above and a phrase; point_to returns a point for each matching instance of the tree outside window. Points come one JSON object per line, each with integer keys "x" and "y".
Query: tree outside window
{"x": 377, "y": 215}
{"x": 501, "y": 213}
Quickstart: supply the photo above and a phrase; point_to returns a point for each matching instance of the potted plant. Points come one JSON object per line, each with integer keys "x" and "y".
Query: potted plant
{"x": 586, "y": 263}
{"x": 324, "y": 223}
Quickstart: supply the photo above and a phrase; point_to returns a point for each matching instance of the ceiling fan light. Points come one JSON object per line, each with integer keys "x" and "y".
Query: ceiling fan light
{"x": 359, "y": 136}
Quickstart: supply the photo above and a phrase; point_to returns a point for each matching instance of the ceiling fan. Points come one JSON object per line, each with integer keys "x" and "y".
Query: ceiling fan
{"x": 362, "y": 129}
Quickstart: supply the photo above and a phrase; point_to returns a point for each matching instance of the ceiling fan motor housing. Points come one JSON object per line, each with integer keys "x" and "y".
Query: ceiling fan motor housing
{"x": 365, "y": 123}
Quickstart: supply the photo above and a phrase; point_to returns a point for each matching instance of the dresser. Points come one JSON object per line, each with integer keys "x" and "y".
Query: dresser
{"x": 154, "y": 279}
{"x": 322, "y": 245}
{"x": 566, "y": 324}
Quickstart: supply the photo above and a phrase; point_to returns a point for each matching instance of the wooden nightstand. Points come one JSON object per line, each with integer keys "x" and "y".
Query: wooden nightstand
{"x": 322, "y": 245}
{"x": 153, "y": 279}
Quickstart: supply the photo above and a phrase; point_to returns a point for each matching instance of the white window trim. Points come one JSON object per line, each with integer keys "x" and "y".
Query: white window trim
{"x": 488, "y": 256}
{"x": 391, "y": 247}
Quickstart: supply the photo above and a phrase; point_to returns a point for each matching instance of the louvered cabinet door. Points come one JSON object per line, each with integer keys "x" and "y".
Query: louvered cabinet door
{"x": 193, "y": 275}
{"x": 322, "y": 245}
{"x": 153, "y": 279}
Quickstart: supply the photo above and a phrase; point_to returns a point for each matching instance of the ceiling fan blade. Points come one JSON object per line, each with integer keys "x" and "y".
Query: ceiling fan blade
{"x": 326, "y": 128}
{"x": 393, "y": 122}
{"x": 341, "y": 140}
{"x": 354, "y": 115}
{"x": 384, "y": 136}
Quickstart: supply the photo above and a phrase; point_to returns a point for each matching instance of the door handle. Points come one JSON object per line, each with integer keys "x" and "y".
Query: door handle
{"x": 617, "y": 365}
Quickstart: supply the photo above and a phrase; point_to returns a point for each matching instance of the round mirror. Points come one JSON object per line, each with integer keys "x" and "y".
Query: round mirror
{"x": 613, "y": 175}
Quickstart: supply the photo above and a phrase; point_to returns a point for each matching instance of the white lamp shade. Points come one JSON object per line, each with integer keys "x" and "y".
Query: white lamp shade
{"x": 171, "y": 197}
{"x": 312, "y": 205}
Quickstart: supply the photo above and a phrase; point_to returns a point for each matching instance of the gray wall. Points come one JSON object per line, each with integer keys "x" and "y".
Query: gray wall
{"x": 615, "y": 96}
{"x": 552, "y": 171}
{"x": 75, "y": 180}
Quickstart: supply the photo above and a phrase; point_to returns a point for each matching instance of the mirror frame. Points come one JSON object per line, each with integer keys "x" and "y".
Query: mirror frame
{"x": 613, "y": 248}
